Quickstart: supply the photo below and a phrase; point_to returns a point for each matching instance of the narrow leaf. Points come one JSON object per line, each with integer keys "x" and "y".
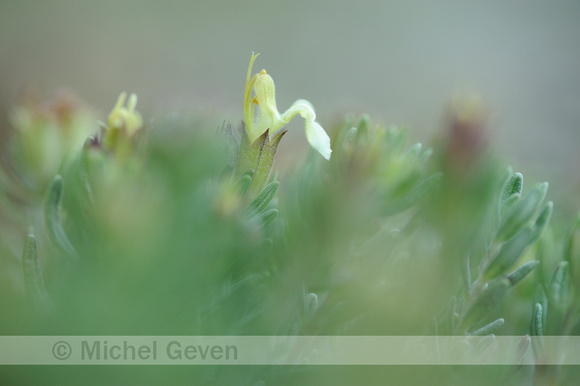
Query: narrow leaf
{"x": 522, "y": 348}
{"x": 572, "y": 249}
{"x": 451, "y": 313}
{"x": 513, "y": 185}
{"x": 363, "y": 126}
{"x": 424, "y": 156}
{"x": 541, "y": 298}
{"x": 543, "y": 220}
{"x": 508, "y": 204}
{"x": 32, "y": 274}
{"x": 537, "y": 325}
{"x": 509, "y": 253}
{"x": 274, "y": 177}
{"x": 521, "y": 212}
{"x": 310, "y": 304}
{"x": 52, "y": 217}
{"x": 537, "y": 329}
{"x": 519, "y": 354}
{"x": 232, "y": 144}
{"x": 482, "y": 344}
{"x": 226, "y": 173}
{"x": 349, "y": 141}
{"x": 414, "y": 150}
{"x": 264, "y": 198}
{"x": 265, "y": 163}
{"x": 250, "y": 152}
{"x": 466, "y": 274}
{"x": 268, "y": 216}
{"x": 487, "y": 300}
{"x": 489, "y": 328}
{"x": 560, "y": 285}
{"x": 243, "y": 182}
{"x": 519, "y": 274}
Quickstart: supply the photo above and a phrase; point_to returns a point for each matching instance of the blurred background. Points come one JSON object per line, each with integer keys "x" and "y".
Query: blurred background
{"x": 399, "y": 61}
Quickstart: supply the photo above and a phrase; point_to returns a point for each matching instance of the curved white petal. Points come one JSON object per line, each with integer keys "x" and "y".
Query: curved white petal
{"x": 307, "y": 109}
{"x": 318, "y": 138}
{"x": 302, "y": 107}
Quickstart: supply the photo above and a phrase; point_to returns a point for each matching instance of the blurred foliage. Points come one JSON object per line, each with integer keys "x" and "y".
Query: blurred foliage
{"x": 169, "y": 229}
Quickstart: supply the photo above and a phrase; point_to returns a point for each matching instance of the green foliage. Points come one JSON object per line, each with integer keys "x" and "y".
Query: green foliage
{"x": 35, "y": 290}
{"x": 154, "y": 235}
{"x": 52, "y": 217}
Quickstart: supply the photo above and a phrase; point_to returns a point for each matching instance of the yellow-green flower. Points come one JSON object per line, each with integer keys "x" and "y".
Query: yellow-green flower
{"x": 123, "y": 126}
{"x": 126, "y": 118}
{"x": 270, "y": 118}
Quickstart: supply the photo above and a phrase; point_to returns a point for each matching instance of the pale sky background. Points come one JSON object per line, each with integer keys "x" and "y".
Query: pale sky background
{"x": 400, "y": 61}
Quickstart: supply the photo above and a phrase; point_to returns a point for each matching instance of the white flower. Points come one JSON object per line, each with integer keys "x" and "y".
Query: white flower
{"x": 270, "y": 118}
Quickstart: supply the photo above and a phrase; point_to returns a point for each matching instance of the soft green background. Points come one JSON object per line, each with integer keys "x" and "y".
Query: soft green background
{"x": 401, "y": 61}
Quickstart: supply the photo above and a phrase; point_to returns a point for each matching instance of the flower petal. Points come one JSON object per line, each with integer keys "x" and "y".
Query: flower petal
{"x": 302, "y": 107}
{"x": 318, "y": 138}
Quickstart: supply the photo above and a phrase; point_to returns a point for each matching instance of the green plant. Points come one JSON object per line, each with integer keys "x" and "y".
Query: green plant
{"x": 140, "y": 229}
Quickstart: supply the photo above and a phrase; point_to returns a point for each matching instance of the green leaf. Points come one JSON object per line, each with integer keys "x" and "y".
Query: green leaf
{"x": 513, "y": 185}
{"x": 509, "y": 253}
{"x": 509, "y": 203}
{"x": 451, "y": 313}
{"x": 52, "y": 217}
{"x": 85, "y": 185}
{"x": 521, "y": 212}
{"x": 350, "y": 137}
{"x": 268, "y": 216}
{"x": 559, "y": 287}
{"x": 543, "y": 220}
{"x": 541, "y": 298}
{"x": 522, "y": 348}
{"x": 414, "y": 150}
{"x": 363, "y": 126}
{"x": 243, "y": 182}
{"x": 572, "y": 249}
{"x": 265, "y": 163}
{"x": 486, "y": 301}
{"x": 414, "y": 196}
{"x": 537, "y": 329}
{"x": 466, "y": 274}
{"x": 250, "y": 152}
{"x": 396, "y": 138}
{"x": 424, "y": 156}
{"x": 33, "y": 280}
{"x": 519, "y": 274}
{"x": 310, "y": 304}
{"x": 274, "y": 177}
{"x": 232, "y": 144}
{"x": 482, "y": 344}
{"x": 507, "y": 174}
{"x": 489, "y": 328}
{"x": 226, "y": 173}
{"x": 261, "y": 202}
{"x": 349, "y": 141}
{"x": 537, "y": 326}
